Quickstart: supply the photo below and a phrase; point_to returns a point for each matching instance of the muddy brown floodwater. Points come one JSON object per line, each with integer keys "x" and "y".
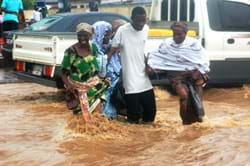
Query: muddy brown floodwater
{"x": 37, "y": 129}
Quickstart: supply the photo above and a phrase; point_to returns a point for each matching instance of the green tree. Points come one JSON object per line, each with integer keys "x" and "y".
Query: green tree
{"x": 28, "y": 4}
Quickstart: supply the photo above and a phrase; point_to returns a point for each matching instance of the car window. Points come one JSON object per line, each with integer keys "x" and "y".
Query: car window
{"x": 44, "y": 24}
{"x": 225, "y": 15}
{"x": 68, "y": 23}
{"x": 236, "y": 16}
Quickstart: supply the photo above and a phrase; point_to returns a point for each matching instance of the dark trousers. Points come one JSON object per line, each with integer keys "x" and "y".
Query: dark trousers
{"x": 10, "y": 25}
{"x": 1, "y": 29}
{"x": 141, "y": 105}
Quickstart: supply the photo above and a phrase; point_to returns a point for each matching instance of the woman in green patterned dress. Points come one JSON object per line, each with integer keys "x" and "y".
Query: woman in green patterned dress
{"x": 84, "y": 88}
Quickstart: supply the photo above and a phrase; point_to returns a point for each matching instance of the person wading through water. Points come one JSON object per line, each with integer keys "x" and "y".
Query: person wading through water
{"x": 84, "y": 88}
{"x": 130, "y": 39}
{"x": 186, "y": 64}
{"x": 102, "y": 38}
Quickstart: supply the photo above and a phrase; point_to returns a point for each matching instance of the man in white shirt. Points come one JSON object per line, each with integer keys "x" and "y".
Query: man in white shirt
{"x": 130, "y": 40}
{"x": 36, "y": 15}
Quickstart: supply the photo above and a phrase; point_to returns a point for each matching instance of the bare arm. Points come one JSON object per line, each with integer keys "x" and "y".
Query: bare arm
{"x": 21, "y": 13}
{"x": 112, "y": 51}
{"x": 9, "y": 11}
{"x": 66, "y": 82}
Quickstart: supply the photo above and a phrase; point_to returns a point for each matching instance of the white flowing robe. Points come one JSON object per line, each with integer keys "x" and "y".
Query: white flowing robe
{"x": 189, "y": 55}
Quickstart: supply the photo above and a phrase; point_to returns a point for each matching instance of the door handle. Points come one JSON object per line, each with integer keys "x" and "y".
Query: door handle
{"x": 230, "y": 41}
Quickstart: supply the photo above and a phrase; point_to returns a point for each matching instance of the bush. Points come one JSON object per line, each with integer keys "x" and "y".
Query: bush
{"x": 28, "y": 4}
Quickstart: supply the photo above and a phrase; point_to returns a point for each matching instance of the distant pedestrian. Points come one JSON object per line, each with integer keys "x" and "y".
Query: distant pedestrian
{"x": 13, "y": 10}
{"x": 102, "y": 38}
{"x": 93, "y": 6}
{"x": 130, "y": 39}
{"x": 36, "y": 15}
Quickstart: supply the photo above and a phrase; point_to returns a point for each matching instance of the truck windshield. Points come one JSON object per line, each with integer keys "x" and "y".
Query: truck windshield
{"x": 44, "y": 24}
{"x": 241, "y": 1}
{"x": 229, "y": 15}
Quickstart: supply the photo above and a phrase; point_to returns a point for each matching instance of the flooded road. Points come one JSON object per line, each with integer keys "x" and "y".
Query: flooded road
{"x": 37, "y": 129}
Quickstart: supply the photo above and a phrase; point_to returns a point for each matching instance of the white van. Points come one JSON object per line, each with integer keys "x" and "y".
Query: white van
{"x": 223, "y": 27}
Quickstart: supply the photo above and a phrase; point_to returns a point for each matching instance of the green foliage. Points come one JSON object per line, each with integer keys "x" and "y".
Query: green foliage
{"x": 28, "y": 4}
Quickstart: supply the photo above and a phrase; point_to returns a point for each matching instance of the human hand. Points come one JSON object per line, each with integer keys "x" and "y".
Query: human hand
{"x": 107, "y": 81}
{"x": 149, "y": 70}
{"x": 202, "y": 80}
{"x": 196, "y": 75}
{"x": 69, "y": 87}
{"x": 205, "y": 77}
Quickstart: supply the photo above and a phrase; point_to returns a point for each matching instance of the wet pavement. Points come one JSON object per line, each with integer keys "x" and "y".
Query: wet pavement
{"x": 7, "y": 75}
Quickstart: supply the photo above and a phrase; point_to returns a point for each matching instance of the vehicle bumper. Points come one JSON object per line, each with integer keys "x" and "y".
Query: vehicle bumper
{"x": 35, "y": 79}
{"x": 1, "y": 59}
{"x": 7, "y": 54}
{"x": 6, "y": 59}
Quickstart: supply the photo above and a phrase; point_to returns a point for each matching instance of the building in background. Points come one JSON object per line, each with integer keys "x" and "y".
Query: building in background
{"x": 125, "y": 1}
{"x": 52, "y": 3}
{"x": 67, "y": 5}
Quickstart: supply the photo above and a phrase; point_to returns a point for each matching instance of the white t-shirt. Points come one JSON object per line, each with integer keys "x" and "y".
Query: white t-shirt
{"x": 132, "y": 43}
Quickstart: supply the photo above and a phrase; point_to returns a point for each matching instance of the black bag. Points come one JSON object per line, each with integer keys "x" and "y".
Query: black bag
{"x": 117, "y": 97}
{"x": 196, "y": 102}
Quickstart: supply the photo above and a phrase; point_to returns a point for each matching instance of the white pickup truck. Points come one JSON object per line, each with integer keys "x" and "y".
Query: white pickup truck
{"x": 38, "y": 56}
{"x": 38, "y": 50}
{"x": 223, "y": 27}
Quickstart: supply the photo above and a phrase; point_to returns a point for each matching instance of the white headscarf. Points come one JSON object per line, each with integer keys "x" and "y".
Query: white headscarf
{"x": 85, "y": 27}
{"x": 101, "y": 28}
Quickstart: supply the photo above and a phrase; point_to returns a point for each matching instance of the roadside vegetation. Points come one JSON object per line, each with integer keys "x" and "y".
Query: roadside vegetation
{"x": 28, "y": 4}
